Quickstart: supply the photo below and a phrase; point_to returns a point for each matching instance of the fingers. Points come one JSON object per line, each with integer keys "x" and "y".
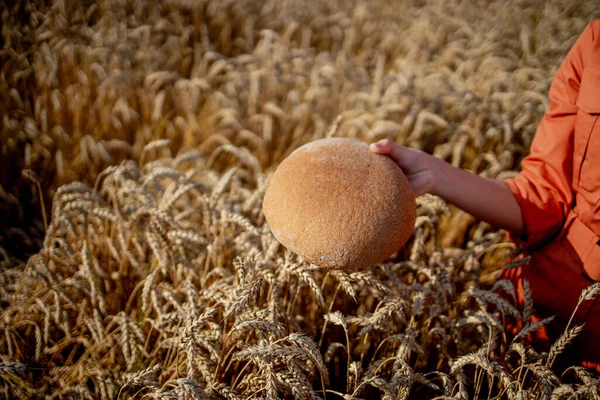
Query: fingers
{"x": 401, "y": 155}
{"x": 385, "y": 147}
{"x": 415, "y": 164}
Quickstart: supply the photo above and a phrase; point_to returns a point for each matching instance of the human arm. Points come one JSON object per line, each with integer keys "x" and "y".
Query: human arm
{"x": 543, "y": 190}
{"x": 487, "y": 199}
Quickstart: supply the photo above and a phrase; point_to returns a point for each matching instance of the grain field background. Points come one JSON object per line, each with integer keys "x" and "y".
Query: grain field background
{"x": 138, "y": 137}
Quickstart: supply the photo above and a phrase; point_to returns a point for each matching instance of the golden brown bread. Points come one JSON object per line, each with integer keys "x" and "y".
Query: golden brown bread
{"x": 339, "y": 205}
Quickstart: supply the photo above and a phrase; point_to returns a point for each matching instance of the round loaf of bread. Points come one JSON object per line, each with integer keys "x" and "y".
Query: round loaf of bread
{"x": 339, "y": 205}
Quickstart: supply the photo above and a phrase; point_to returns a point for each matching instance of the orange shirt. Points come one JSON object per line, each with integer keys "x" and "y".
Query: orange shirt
{"x": 558, "y": 190}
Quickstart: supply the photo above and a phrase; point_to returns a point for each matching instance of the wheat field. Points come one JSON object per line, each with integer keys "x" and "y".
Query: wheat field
{"x": 138, "y": 137}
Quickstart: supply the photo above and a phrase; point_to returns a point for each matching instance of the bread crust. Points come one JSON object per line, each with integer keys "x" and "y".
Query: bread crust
{"x": 339, "y": 205}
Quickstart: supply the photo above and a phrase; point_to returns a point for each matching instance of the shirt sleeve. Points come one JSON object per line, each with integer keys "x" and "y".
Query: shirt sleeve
{"x": 543, "y": 188}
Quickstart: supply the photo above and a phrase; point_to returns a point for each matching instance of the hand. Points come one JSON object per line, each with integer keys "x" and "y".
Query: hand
{"x": 487, "y": 199}
{"x": 417, "y": 165}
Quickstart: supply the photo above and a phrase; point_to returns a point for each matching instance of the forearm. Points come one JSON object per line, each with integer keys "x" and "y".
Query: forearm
{"x": 487, "y": 199}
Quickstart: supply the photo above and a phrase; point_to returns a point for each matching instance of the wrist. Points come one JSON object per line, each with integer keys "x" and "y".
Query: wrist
{"x": 439, "y": 176}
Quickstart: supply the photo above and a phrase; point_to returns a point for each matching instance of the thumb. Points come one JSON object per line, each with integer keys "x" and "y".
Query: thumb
{"x": 388, "y": 148}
